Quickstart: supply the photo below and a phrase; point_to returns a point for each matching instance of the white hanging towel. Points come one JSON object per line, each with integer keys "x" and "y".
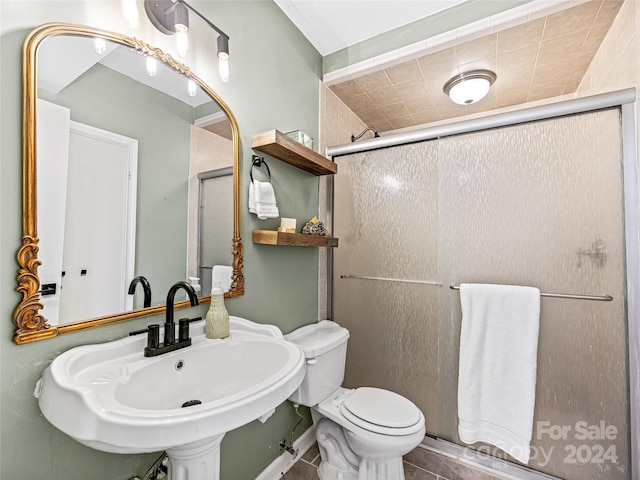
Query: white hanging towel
{"x": 498, "y": 360}
{"x": 262, "y": 200}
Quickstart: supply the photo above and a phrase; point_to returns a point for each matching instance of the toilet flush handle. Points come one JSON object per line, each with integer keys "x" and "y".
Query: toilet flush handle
{"x": 312, "y": 361}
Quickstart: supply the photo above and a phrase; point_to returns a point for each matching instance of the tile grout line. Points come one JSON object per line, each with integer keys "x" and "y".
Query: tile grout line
{"x": 423, "y": 469}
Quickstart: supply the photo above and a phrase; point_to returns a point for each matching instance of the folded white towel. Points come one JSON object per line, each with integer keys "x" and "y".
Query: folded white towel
{"x": 222, "y": 274}
{"x": 498, "y": 360}
{"x": 262, "y": 200}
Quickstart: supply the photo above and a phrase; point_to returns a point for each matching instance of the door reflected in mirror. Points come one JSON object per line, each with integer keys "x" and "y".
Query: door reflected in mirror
{"x": 136, "y": 174}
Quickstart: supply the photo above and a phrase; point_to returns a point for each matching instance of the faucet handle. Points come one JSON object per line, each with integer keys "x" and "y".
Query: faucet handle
{"x": 138, "y": 332}
{"x": 183, "y": 327}
{"x": 153, "y": 338}
{"x": 169, "y": 333}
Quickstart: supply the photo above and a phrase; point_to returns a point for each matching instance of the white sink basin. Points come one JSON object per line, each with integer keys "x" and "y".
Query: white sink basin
{"x": 112, "y": 398}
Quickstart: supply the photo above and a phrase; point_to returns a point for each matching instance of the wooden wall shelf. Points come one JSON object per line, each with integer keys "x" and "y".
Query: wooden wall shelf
{"x": 272, "y": 237}
{"x": 283, "y": 148}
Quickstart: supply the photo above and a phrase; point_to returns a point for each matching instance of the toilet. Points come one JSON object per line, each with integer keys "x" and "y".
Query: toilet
{"x": 362, "y": 434}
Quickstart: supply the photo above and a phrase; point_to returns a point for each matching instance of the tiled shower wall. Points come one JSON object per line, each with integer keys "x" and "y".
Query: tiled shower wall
{"x": 616, "y": 65}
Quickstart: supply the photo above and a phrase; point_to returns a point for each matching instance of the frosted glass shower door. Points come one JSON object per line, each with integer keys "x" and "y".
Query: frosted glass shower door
{"x": 534, "y": 204}
{"x": 386, "y": 216}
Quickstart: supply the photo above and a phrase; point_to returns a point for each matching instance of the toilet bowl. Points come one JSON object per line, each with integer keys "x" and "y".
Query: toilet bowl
{"x": 362, "y": 433}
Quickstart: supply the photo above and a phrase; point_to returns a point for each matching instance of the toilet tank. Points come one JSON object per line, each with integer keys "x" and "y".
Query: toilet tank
{"x": 324, "y": 345}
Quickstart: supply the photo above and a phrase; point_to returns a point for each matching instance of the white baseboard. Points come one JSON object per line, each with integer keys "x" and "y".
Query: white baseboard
{"x": 284, "y": 462}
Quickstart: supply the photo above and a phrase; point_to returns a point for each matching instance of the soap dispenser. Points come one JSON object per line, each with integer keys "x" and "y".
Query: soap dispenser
{"x": 217, "y": 320}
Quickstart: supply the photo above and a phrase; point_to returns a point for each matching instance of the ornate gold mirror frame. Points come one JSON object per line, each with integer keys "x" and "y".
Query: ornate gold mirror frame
{"x": 30, "y": 324}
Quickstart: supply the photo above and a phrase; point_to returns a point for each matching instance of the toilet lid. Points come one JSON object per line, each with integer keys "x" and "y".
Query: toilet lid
{"x": 382, "y": 411}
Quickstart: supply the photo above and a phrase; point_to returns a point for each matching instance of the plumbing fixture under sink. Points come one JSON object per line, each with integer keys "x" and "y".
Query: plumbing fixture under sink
{"x": 112, "y": 398}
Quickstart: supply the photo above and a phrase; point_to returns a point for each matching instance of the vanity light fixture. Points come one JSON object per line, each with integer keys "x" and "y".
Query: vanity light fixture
{"x": 100, "y": 46}
{"x": 152, "y": 66}
{"x": 182, "y": 43}
{"x": 223, "y": 57}
{"x": 172, "y": 17}
{"x": 469, "y": 87}
{"x": 192, "y": 88}
{"x": 181, "y": 26}
{"x": 130, "y": 10}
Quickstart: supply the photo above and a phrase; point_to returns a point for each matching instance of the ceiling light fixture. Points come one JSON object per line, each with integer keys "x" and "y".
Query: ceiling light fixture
{"x": 469, "y": 87}
{"x": 172, "y": 16}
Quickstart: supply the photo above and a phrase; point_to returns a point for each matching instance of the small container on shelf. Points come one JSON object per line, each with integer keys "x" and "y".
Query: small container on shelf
{"x": 301, "y": 137}
{"x": 287, "y": 225}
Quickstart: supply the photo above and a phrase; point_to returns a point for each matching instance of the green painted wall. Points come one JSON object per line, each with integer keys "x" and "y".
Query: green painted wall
{"x": 442, "y": 22}
{"x": 274, "y": 84}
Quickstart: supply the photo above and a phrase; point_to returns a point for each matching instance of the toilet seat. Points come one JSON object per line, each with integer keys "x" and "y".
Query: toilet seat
{"x": 382, "y": 411}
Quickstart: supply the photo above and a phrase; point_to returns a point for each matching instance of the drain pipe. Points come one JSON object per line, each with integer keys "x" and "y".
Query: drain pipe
{"x": 158, "y": 471}
{"x": 283, "y": 443}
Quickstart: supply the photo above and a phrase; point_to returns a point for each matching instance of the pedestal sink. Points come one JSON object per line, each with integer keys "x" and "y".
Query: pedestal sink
{"x": 112, "y": 398}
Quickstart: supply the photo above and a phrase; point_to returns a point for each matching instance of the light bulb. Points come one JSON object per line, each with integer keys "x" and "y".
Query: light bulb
{"x": 223, "y": 67}
{"x": 100, "y": 45}
{"x": 182, "y": 43}
{"x": 469, "y": 87}
{"x": 152, "y": 66}
{"x": 192, "y": 88}
{"x": 223, "y": 57}
{"x": 470, "y": 91}
{"x": 130, "y": 10}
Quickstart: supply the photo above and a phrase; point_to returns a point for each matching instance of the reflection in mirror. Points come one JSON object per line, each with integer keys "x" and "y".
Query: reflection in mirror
{"x": 135, "y": 168}
{"x": 215, "y": 222}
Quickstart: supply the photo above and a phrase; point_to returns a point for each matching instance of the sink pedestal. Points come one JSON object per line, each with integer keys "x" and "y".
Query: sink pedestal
{"x": 196, "y": 461}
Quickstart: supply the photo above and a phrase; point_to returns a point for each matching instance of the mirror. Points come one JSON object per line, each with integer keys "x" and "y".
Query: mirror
{"x": 130, "y": 169}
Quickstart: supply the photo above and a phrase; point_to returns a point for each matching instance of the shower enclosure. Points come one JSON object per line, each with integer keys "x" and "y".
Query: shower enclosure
{"x": 537, "y": 203}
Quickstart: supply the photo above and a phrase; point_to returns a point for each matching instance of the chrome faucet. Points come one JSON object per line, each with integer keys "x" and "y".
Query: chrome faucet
{"x": 145, "y": 286}
{"x": 170, "y": 344}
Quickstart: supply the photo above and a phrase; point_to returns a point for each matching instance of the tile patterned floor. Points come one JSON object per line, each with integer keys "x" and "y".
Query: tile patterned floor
{"x": 419, "y": 464}
{"x": 306, "y": 468}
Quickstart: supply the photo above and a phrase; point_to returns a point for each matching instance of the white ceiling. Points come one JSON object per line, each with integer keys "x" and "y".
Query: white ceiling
{"x": 331, "y": 25}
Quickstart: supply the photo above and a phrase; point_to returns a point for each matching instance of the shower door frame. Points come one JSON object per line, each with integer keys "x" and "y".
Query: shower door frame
{"x": 626, "y": 100}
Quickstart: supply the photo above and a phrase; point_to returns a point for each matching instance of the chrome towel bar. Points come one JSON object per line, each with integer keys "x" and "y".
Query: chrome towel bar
{"x": 401, "y": 280}
{"x": 597, "y": 298}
